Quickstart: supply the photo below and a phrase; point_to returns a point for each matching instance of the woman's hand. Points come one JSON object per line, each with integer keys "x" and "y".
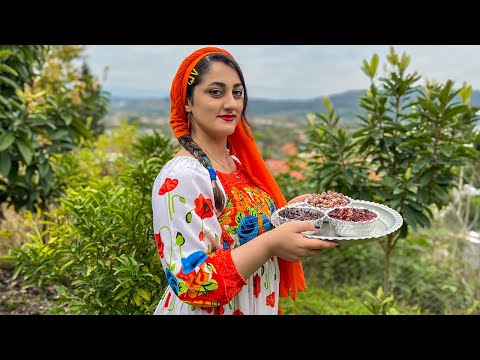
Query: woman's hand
{"x": 286, "y": 242}
{"x": 299, "y": 198}
{"x": 290, "y": 244}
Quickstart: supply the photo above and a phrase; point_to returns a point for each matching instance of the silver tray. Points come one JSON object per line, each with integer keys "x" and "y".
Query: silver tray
{"x": 389, "y": 222}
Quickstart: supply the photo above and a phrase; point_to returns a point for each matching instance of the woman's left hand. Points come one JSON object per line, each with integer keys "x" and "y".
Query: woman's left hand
{"x": 299, "y": 198}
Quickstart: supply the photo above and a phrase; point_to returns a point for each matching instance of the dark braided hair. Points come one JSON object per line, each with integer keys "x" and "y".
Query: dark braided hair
{"x": 187, "y": 142}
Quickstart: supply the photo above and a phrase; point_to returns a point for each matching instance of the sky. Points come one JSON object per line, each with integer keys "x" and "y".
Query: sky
{"x": 278, "y": 72}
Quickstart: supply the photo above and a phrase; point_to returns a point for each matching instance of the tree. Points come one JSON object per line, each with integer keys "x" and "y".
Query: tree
{"x": 413, "y": 139}
{"x": 45, "y": 109}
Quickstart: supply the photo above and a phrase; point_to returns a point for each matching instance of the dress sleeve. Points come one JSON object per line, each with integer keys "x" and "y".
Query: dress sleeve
{"x": 188, "y": 238}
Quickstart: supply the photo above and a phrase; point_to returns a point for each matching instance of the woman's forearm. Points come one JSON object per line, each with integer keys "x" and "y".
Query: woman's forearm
{"x": 249, "y": 257}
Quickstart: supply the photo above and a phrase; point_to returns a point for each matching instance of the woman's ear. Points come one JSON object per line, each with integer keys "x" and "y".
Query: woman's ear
{"x": 187, "y": 106}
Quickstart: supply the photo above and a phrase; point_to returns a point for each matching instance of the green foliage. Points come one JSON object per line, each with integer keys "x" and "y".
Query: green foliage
{"x": 436, "y": 286}
{"x": 421, "y": 278}
{"x": 37, "y": 121}
{"x": 413, "y": 138}
{"x": 336, "y": 163}
{"x": 344, "y": 300}
{"x": 317, "y": 301}
{"x": 380, "y": 304}
{"x": 101, "y": 252}
{"x": 416, "y": 144}
{"x": 408, "y": 152}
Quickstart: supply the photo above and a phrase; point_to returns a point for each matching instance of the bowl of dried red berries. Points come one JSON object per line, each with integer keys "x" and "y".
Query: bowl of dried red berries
{"x": 328, "y": 200}
{"x": 301, "y": 213}
{"x": 352, "y": 221}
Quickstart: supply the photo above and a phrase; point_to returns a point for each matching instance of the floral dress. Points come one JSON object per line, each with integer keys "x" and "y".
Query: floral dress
{"x": 195, "y": 242}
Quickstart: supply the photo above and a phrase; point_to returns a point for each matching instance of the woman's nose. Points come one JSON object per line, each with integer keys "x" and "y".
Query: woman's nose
{"x": 230, "y": 102}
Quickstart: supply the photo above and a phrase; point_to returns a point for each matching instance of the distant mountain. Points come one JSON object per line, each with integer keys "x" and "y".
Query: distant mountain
{"x": 147, "y": 106}
{"x": 345, "y": 105}
{"x": 129, "y": 93}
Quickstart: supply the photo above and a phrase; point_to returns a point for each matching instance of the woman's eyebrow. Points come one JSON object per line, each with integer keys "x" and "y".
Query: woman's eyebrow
{"x": 218, "y": 83}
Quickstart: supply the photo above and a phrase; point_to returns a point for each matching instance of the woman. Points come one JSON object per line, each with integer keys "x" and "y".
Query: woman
{"x": 213, "y": 201}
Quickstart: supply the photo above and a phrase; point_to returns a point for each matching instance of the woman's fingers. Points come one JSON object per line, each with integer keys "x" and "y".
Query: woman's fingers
{"x": 300, "y": 226}
{"x": 299, "y": 198}
{"x": 316, "y": 244}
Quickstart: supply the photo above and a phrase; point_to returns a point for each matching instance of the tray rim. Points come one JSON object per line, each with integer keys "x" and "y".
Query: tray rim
{"x": 355, "y": 202}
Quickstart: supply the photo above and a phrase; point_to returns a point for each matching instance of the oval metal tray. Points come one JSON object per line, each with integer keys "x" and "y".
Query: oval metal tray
{"x": 390, "y": 221}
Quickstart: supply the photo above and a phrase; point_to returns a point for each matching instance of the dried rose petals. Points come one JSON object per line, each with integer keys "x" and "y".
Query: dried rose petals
{"x": 300, "y": 214}
{"x": 329, "y": 199}
{"x": 352, "y": 214}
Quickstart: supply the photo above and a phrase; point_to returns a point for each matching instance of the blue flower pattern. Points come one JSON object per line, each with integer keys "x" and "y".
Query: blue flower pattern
{"x": 193, "y": 260}
{"x": 248, "y": 229}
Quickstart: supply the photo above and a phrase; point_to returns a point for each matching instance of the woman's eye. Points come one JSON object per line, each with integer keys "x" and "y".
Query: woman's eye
{"x": 216, "y": 92}
{"x": 238, "y": 93}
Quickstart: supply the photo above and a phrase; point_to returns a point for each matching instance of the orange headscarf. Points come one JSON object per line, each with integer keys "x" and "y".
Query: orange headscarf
{"x": 244, "y": 147}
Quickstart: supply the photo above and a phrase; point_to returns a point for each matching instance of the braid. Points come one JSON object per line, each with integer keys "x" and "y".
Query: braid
{"x": 187, "y": 142}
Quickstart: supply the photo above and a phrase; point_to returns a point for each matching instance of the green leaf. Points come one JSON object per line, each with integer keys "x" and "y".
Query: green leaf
{"x": 61, "y": 135}
{"x": 10, "y": 82}
{"x": 144, "y": 294}
{"x": 380, "y": 293}
{"x": 5, "y": 163}
{"x": 209, "y": 285}
{"x": 43, "y": 169}
{"x": 441, "y": 194}
{"x": 179, "y": 240}
{"x": 5, "y": 102}
{"x": 374, "y": 64}
{"x": 67, "y": 265}
{"x": 121, "y": 294}
{"x": 67, "y": 118}
{"x": 136, "y": 298}
{"x": 409, "y": 215}
{"x": 425, "y": 179}
{"x": 5, "y": 68}
{"x": 446, "y": 150}
{"x": 6, "y": 139}
{"x": 25, "y": 151}
{"x": 4, "y": 53}
{"x": 397, "y": 191}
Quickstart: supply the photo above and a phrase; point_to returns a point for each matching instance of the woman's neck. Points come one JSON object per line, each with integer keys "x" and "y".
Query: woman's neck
{"x": 215, "y": 148}
{"x": 217, "y": 153}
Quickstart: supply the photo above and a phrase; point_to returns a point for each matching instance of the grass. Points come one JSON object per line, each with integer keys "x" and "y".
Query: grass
{"x": 316, "y": 301}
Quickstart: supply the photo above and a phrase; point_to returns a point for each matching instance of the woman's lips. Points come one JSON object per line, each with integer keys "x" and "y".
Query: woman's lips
{"x": 228, "y": 117}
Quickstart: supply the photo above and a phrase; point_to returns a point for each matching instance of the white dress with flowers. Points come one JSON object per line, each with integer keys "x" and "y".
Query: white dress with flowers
{"x": 195, "y": 243}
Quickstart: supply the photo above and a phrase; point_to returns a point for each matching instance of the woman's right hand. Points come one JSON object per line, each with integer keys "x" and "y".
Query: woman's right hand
{"x": 287, "y": 241}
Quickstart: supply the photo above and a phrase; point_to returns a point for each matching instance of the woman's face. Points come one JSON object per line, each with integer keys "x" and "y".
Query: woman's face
{"x": 218, "y": 103}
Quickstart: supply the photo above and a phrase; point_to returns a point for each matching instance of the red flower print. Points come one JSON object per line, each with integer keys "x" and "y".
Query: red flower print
{"x": 168, "y": 300}
{"x": 160, "y": 244}
{"x": 256, "y": 285}
{"x": 203, "y": 207}
{"x": 219, "y": 310}
{"x": 271, "y": 299}
{"x": 201, "y": 235}
{"x": 238, "y": 312}
{"x": 227, "y": 240}
{"x": 168, "y": 186}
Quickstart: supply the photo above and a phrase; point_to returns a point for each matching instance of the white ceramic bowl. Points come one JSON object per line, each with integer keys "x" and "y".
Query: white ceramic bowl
{"x": 301, "y": 213}
{"x": 353, "y": 228}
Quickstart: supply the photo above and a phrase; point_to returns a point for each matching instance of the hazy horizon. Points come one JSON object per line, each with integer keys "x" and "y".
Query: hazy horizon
{"x": 278, "y": 72}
